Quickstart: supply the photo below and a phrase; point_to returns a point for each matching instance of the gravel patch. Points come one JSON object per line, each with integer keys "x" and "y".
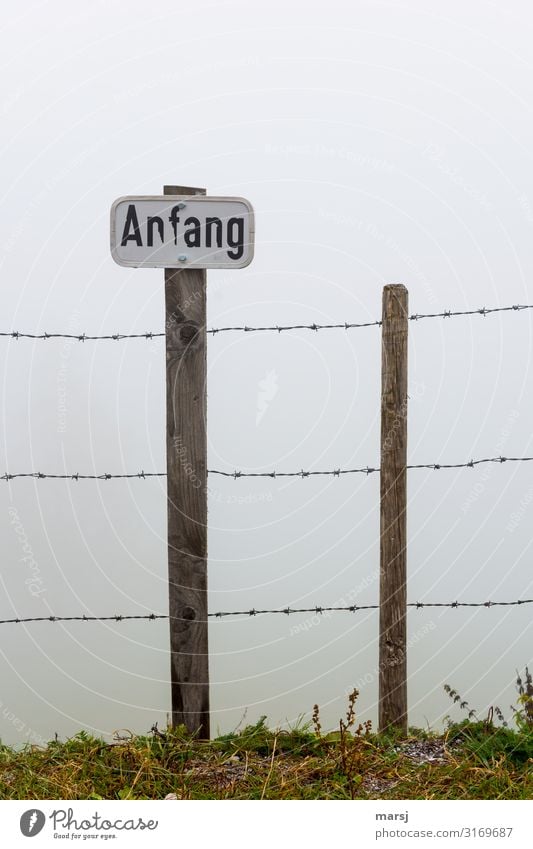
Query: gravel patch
{"x": 424, "y": 751}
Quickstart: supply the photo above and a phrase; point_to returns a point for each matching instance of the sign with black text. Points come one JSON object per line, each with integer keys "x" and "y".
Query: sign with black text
{"x": 186, "y": 231}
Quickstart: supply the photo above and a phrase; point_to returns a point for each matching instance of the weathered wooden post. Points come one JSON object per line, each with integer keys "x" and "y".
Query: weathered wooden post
{"x": 186, "y": 363}
{"x": 185, "y": 233}
{"x": 393, "y": 517}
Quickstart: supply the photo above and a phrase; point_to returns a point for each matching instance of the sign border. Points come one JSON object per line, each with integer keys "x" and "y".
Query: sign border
{"x": 186, "y": 199}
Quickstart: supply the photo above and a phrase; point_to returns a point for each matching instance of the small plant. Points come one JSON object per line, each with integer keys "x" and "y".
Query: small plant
{"x": 316, "y": 721}
{"x": 490, "y": 741}
{"x": 463, "y": 704}
{"x": 524, "y": 715}
{"x": 365, "y": 727}
{"x": 493, "y": 711}
{"x": 350, "y": 751}
{"x": 350, "y": 713}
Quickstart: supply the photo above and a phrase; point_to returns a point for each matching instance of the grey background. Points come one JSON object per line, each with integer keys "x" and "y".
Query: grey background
{"x": 378, "y": 142}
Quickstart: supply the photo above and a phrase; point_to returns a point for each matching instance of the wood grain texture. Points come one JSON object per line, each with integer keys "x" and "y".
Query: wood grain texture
{"x": 186, "y": 375}
{"x": 393, "y": 516}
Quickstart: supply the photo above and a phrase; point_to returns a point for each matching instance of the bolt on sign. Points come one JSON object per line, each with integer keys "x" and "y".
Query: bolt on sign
{"x": 187, "y": 231}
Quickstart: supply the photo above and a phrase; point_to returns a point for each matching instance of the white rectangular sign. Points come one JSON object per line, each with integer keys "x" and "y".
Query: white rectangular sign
{"x": 182, "y": 231}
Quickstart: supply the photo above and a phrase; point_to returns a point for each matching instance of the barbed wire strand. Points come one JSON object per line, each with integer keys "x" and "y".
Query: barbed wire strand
{"x": 287, "y": 611}
{"x": 105, "y": 476}
{"x": 367, "y": 470}
{"x": 80, "y": 337}
{"x": 484, "y": 311}
{"x": 279, "y": 328}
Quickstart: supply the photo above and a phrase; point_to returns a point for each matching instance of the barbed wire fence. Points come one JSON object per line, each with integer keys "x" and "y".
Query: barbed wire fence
{"x": 273, "y": 474}
{"x": 236, "y": 474}
{"x": 279, "y": 328}
{"x": 366, "y": 470}
{"x": 287, "y": 611}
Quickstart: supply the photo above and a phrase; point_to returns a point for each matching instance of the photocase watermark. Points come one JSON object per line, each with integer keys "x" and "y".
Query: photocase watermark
{"x": 66, "y": 820}
{"x": 232, "y": 498}
{"x": 12, "y": 98}
{"x": 39, "y": 198}
{"x": 479, "y": 487}
{"x": 24, "y": 729}
{"x": 371, "y": 676}
{"x": 66, "y": 825}
{"x": 344, "y": 601}
{"x": 319, "y": 150}
{"x": 417, "y": 391}
{"x": 368, "y": 228}
{"x": 266, "y": 392}
{"x": 517, "y": 515}
{"x": 34, "y": 581}
{"x": 398, "y": 420}
{"x": 525, "y": 205}
{"x": 189, "y": 71}
{"x": 182, "y": 454}
{"x": 436, "y": 154}
{"x": 215, "y": 494}
{"x": 32, "y": 822}
{"x": 33, "y": 204}
{"x": 179, "y": 315}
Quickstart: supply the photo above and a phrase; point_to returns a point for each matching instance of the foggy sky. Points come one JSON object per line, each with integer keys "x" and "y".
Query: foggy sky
{"x": 378, "y": 142}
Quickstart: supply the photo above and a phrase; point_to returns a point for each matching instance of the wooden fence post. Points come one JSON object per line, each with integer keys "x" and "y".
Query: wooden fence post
{"x": 186, "y": 374}
{"x": 393, "y": 517}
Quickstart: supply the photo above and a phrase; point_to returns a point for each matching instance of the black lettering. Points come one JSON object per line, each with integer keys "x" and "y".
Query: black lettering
{"x": 174, "y": 219}
{"x": 150, "y": 224}
{"x": 236, "y": 242}
{"x": 209, "y": 223}
{"x": 131, "y": 221}
{"x": 192, "y": 237}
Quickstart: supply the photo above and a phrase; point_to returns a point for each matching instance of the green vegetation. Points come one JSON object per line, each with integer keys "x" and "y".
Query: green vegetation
{"x": 474, "y": 759}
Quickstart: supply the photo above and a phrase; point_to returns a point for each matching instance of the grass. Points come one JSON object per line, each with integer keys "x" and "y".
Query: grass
{"x": 472, "y": 760}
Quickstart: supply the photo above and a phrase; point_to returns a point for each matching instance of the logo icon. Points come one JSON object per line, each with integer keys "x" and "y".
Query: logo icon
{"x": 267, "y": 391}
{"x": 32, "y": 822}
